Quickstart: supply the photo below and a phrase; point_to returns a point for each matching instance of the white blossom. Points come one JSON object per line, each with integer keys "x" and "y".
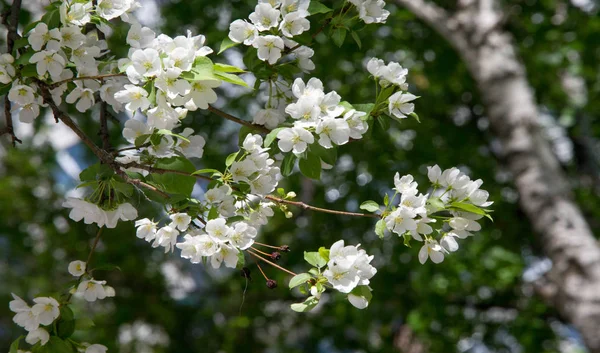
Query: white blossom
{"x": 432, "y": 250}
{"x": 45, "y": 309}
{"x": 38, "y": 335}
{"x": 400, "y": 106}
{"x": 265, "y": 17}
{"x": 269, "y": 48}
{"x": 242, "y": 31}
{"x": 77, "y": 268}
{"x": 48, "y": 61}
{"x": 294, "y": 139}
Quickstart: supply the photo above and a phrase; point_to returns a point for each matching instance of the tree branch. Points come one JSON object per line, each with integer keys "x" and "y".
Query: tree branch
{"x": 12, "y": 24}
{"x": 104, "y": 156}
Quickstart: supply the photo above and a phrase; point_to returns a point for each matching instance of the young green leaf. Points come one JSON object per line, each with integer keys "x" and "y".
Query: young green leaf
{"x": 231, "y": 158}
{"x": 315, "y": 259}
{"x": 226, "y": 44}
{"x": 299, "y": 279}
{"x": 370, "y": 206}
{"x": 316, "y": 7}
{"x": 271, "y": 136}
{"x": 305, "y": 306}
{"x": 338, "y": 36}
{"x": 380, "y": 228}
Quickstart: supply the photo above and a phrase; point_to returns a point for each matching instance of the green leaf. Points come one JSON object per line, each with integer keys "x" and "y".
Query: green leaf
{"x": 231, "y": 78}
{"x": 316, "y": 7}
{"x": 414, "y": 115}
{"x": 311, "y": 166}
{"x": 338, "y": 36}
{"x": 356, "y": 39}
{"x": 24, "y": 58}
{"x": 213, "y": 213}
{"x": 327, "y": 155}
{"x": 84, "y": 323}
{"x": 315, "y": 259}
{"x": 140, "y": 140}
{"x": 29, "y": 71}
{"x": 383, "y": 122}
{"x": 175, "y": 183}
{"x": 124, "y": 189}
{"x": 386, "y": 200}
{"x": 14, "y": 346}
{"x": 468, "y": 207}
{"x": 436, "y": 204}
{"x": 52, "y": 18}
{"x": 271, "y": 136}
{"x": 4, "y": 89}
{"x": 56, "y": 345}
{"x": 231, "y": 158}
{"x": 171, "y": 133}
{"x": 367, "y": 108}
{"x": 29, "y": 27}
{"x": 324, "y": 253}
{"x": 305, "y": 306}
{"x": 380, "y": 228}
{"x": 206, "y": 171}
{"x": 226, "y": 44}
{"x": 370, "y": 206}
{"x": 227, "y": 68}
{"x": 287, "y": 165}
{"x": 65, "y": 325}
{"x": 95, "y": 172}
{"x": 407, "y": 238}
{"x": 299, "y": 279}
{"x": 20, "y": 43}
{"x": 363, "y": 292}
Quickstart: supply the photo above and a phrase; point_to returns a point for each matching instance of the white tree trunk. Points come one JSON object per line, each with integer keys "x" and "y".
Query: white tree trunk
{"x": 488, "y": 51}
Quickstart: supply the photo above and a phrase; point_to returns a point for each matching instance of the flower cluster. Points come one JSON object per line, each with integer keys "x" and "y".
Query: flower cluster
{"x": 92, "y": 213}
{"x": 255, "y": 168}
{"x": 90, "y": 289}
{"x": 348, "y": 268}
{"x": 285, "y": 19}
{"x": 321, "y": 114}
{"x": 393, "y": 74}
{"x": 453, "y": 192}
{"x": 42, "y": 313}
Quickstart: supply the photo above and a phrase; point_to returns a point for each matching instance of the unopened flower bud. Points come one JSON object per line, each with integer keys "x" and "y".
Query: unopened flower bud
{"x": 271, "y": 284}
{"x": 290, "y": 195}
{"x": 275, "y": 255}
{"x": 289, "y": 215}
{"x": 284, "y": 248}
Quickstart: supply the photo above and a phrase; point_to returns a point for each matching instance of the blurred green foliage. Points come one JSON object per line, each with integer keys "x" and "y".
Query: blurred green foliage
{"x": 477, "y": 296}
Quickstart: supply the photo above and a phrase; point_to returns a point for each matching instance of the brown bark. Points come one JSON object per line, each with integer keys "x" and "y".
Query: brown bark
{"x": 475, "y": 31}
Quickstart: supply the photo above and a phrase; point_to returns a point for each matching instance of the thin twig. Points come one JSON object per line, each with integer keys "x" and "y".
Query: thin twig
{"x": 270, "y": 262}
{"x": 238, "y": 120}
{"x": 319, "y": 209}
{"x": 80, "y": 78}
